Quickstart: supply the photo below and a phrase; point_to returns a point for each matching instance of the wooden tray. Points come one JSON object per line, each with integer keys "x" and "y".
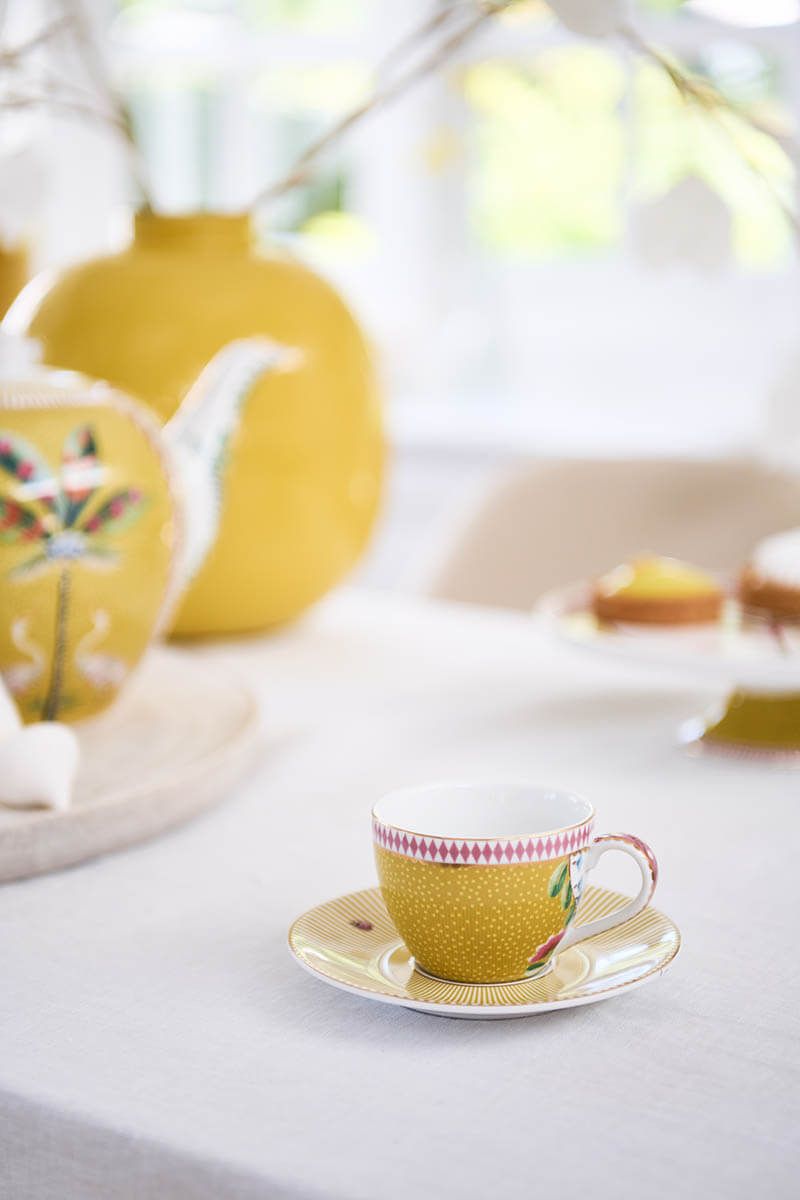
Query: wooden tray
{"x": 174, "y": 743}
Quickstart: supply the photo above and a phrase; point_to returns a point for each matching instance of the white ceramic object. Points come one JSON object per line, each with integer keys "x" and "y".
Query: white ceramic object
{"x": 38, "y": 765}
{"x": 179, "y": 737}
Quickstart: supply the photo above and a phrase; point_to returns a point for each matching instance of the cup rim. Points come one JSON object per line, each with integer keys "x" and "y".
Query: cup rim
{"x": 475, "y": 784}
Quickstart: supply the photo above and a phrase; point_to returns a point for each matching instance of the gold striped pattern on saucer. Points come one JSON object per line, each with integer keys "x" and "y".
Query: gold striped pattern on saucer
{"x": 352, "y": 943}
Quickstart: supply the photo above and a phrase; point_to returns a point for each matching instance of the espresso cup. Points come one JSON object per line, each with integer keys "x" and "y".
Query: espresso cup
{"x": 484, "y": 883}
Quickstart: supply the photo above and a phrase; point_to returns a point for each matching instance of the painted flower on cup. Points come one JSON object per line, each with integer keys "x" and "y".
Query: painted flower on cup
{"x": 543, "y": 952}
{"x": 566, "y": 885}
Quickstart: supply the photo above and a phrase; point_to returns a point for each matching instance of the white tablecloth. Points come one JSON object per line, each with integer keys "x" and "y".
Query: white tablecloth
{"x": 157, "y": 1041}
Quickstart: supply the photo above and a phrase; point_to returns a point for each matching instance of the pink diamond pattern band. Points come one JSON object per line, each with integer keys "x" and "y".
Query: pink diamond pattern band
{"x": 491, "y": 853}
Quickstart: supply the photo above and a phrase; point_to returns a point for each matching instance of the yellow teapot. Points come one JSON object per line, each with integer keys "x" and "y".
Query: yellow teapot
{"x": 105, "y": 517}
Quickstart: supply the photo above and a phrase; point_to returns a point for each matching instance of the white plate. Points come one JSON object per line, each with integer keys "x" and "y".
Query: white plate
{"x": 736, "y": 651}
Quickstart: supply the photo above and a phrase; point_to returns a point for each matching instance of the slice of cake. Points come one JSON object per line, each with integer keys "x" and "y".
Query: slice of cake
{"x": 657, "y": 591}
{"x": 770, "y": 582}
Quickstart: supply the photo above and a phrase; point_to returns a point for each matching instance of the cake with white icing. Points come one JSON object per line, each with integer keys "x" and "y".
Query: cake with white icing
{"x": 770, "y": 581}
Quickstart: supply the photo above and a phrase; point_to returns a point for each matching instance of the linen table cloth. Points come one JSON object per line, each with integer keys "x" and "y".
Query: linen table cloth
{"x": 157, "y": 1040}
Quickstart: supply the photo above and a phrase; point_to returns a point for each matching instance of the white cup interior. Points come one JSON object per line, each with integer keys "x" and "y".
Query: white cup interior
{"x": 467, "y": 810}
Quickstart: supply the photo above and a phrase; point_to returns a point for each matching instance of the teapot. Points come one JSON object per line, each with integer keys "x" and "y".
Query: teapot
{"x": 105, "y": 518}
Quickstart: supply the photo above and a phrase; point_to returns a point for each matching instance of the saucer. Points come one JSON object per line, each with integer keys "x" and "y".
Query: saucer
{"x": 352, "y": 944}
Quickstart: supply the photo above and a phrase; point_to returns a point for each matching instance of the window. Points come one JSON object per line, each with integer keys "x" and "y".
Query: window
{"x": 494, "y": 230}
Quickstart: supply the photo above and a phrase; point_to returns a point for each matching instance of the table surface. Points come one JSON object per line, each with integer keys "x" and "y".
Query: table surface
{"x": 157, "y": 1040}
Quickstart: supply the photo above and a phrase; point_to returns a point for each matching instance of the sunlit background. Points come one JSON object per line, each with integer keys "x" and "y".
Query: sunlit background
{"x": 552, "y": 252}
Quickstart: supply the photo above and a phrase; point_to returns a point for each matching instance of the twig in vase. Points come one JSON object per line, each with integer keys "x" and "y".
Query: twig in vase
{"x": 94, "y": 64}
{"x": 715, "y": 106}
{"x": 13, "y": 54}
{"x": 64, "y": 103}
{"x": 385, "y": 93}
{"x": 100, "y": 104}
{"x": 441, "y": 16}
{"x": 430, "y": 45}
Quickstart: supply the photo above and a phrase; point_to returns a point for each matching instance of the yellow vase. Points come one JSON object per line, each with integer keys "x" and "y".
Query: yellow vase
{"x": 303, "y": 473}
{"x": 14, "y": 264}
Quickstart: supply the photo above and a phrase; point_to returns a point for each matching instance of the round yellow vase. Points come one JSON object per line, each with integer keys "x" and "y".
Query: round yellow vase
{"x": 14, "y": 273}
{"x": 302, "y": 474}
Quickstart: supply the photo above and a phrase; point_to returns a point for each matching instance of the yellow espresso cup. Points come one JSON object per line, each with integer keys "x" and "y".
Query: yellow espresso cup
{"x": 484, "y": 882}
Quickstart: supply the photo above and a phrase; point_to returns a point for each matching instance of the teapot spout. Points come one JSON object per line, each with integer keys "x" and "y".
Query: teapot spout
{"x": 199, "y": 435}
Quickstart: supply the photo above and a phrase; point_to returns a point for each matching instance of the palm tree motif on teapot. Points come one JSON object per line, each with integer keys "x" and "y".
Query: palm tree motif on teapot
{"x": 66, "y": 516}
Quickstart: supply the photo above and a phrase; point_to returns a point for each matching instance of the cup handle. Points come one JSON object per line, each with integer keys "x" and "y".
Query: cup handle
{"x": 643, "y": 856}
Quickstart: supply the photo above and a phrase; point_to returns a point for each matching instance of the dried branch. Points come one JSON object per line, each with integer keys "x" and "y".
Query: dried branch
{"x": 100, "y": 104}
{"x": 385, "y": 93}
{"x": 698, "y": 91}
{"x": 387, "y": 90}
{"x": 96, "y": 70}
{"x": 417, "y": 55}
{"x": 14, "y": 54}
{"x": 441, "y": 16}
{"x": 62, "y": 103}
{"x": 717, "y": 108}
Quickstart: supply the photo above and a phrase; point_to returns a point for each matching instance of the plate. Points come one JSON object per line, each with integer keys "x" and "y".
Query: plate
{"x": 351, "y": 944}
{"x": 175, "y": 741}
{"x": 737, "y": 650}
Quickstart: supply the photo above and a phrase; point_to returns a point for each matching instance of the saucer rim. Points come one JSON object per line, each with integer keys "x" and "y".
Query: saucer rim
{"x": 436, "y": 1008}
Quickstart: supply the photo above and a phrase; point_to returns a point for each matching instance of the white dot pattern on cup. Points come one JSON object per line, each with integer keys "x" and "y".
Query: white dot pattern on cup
{"x": 469, "y": 925}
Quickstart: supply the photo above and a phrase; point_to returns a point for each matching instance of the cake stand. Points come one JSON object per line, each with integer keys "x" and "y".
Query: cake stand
{"x": 755, "y": 661}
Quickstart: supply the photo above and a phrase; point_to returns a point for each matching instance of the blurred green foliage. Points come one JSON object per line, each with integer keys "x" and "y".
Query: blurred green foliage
{"x": 559, "y": 159}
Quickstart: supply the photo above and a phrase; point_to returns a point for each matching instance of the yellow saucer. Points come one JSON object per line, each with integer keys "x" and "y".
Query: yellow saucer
{"x": 352, "y": 944}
